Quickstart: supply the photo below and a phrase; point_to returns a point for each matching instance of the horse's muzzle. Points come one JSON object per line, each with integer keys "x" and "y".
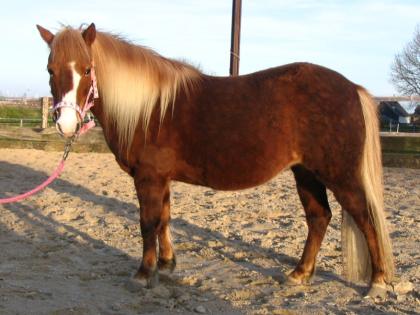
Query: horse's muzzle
{"x": 68, "y": 122}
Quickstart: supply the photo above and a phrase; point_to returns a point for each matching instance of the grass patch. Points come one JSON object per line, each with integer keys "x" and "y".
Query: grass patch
{"x": 20, "y": 112}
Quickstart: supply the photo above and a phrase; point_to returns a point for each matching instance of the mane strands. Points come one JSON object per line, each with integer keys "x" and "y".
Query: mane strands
{"x": 132, "y": 80}
{"x": 68, "y": 44}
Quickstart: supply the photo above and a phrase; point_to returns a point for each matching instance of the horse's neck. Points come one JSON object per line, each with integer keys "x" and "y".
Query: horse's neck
{"x": 109, "y": 132}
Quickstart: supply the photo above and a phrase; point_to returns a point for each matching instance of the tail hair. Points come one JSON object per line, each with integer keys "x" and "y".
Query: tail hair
{"x": 356, "y": 258}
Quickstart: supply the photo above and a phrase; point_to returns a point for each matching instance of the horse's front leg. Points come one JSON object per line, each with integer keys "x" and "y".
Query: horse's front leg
{"x": 167, "y": 261}
{"x": 152, "y": 192}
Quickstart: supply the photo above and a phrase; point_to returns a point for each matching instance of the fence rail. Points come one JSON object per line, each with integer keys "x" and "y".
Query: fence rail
{"x": 400, "y": 128}
{"x": 22, "y": 122}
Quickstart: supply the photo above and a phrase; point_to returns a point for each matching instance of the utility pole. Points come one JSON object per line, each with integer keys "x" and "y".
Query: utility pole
{"x": 235, "y": 37}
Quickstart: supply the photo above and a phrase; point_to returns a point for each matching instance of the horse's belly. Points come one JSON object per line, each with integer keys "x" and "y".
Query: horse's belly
{"x": 242, "y": 174}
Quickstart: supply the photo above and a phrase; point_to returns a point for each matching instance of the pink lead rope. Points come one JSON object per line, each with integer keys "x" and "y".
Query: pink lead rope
{"x": 36, "y": 189}
{"x": 92, "y": 95}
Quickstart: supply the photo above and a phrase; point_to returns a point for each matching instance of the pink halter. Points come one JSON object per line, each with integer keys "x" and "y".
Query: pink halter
{"x": 89, "y": 103}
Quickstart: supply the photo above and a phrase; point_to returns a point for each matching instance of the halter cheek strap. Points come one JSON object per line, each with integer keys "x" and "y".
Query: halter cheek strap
{"x": 89, "y": 103}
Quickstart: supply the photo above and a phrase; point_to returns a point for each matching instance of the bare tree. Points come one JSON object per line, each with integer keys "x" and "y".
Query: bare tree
{"x": 405, "y": 70}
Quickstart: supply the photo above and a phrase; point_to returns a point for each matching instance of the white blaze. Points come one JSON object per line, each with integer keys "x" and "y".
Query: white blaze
{"x": 68, "y": 116}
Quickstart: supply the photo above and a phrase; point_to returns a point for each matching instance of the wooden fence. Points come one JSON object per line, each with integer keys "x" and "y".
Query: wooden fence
{"x": 44, "y": 103}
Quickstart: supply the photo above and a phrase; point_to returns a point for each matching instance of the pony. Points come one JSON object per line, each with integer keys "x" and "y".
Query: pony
{"x": 165, "y": 120}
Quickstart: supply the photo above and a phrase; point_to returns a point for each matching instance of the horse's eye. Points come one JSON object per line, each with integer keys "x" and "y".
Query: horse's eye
{"x": 50, "y": 72}
{"x": 87, "y": 71}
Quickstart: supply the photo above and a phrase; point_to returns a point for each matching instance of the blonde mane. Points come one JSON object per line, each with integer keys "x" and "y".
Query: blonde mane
{"x": 132, "y": 80}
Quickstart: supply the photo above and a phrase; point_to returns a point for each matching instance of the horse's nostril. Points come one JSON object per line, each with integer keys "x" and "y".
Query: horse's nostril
{"x": 64, "y": 133}
{"x": 59, "y": 128}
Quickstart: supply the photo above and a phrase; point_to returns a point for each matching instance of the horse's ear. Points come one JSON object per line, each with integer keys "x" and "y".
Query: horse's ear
{"x": 46, "y": 35}
{"x": 89, "y": 34}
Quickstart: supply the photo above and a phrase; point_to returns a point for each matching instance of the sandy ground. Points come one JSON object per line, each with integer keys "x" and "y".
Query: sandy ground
{"x": 72, "y": 248}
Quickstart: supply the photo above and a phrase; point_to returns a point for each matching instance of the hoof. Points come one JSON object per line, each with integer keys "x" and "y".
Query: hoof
{"x": 292, "y": 281}
{"x": 141, "y": 281}
{"x": 166, "y": 266}
{"x": 377, "y": 291}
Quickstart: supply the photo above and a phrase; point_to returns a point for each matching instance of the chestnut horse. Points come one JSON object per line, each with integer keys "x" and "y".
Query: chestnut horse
{"x": 164, "y": 120}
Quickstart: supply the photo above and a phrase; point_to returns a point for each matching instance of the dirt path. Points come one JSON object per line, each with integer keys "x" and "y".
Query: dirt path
{"x": 72, "y": 248}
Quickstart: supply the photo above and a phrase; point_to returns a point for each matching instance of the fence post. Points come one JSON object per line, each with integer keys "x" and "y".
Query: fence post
{"x": 44, "y": 108}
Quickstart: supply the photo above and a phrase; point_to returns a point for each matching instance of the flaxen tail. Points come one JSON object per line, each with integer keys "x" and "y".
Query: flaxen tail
{"x": 357, "y": 265}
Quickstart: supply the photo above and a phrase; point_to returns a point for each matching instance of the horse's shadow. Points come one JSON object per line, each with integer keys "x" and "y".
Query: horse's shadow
{"x": 22, "y": 274}
{"x": 130, "y": 211}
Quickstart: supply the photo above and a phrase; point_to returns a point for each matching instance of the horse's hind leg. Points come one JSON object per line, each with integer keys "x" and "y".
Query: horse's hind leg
{"x": 362, "y": 253}
{"x": 313, "y": 195}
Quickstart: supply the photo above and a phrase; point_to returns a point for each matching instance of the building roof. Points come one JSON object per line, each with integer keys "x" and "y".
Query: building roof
{"x": 391, "y": 111}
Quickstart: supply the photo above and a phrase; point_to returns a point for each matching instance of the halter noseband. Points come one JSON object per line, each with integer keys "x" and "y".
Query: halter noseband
{"x": 89, "y": 103}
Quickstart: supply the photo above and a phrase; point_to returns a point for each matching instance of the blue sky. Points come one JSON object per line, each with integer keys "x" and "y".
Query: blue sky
{"x": 356, "y": 38}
